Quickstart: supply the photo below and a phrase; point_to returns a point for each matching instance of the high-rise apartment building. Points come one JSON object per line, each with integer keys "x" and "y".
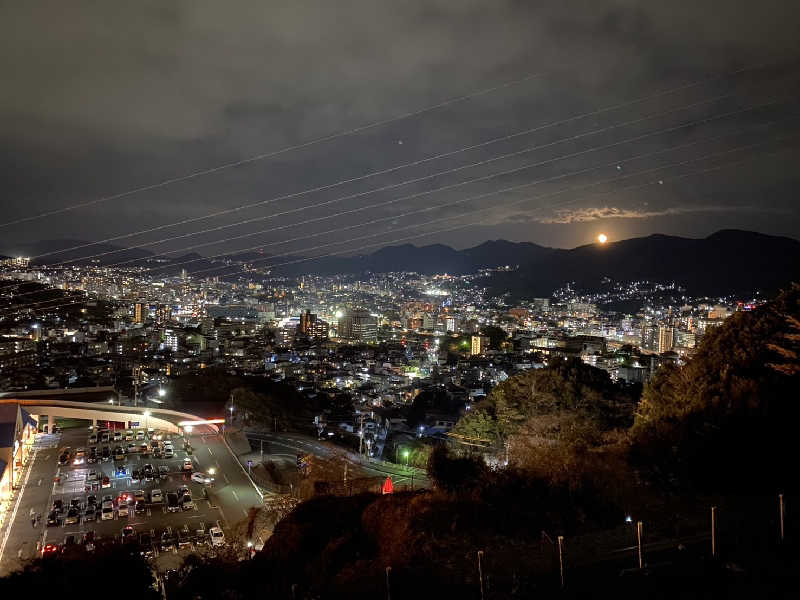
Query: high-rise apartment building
{"x": 140, "y": 311}
{"x": 358, "y": 325}
{"x": 666, "y": 339}
{"x": 480, "y": 344}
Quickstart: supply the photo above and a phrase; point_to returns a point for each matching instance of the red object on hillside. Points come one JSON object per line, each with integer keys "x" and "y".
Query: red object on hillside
{"x": 388, "y": 486}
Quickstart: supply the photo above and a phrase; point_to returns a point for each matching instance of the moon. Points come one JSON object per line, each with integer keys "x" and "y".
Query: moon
{"x": 602, "y": 238}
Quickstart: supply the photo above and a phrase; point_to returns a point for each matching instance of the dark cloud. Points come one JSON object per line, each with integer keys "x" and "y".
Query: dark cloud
{"x": 99, "y": 98}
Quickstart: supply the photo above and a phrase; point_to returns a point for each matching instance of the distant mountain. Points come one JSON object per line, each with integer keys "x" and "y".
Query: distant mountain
{"x": 725, "y": 262}
{"x": 432, "y": 259}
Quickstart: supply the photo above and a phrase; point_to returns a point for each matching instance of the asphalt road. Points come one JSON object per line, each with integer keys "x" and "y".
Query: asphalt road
{"x": 299, "y": 443}
{"x": 229, "y": 498}
{"x": 232, "y": 492}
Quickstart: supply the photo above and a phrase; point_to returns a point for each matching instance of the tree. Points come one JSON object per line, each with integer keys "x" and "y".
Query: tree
{"x": 727, "y": 417}
{"x": 496, "y": 336}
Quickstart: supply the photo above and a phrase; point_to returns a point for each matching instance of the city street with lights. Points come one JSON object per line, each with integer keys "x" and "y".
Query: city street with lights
{"x": 279, "y": 444}
{"x": 223, "y": 501}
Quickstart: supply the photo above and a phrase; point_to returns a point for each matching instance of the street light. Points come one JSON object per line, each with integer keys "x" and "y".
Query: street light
{"x": 211, "y": 470}
{"x": 146, "y": 419}
{"x": 162, "y": 392}
{"x": 405, "y": 455}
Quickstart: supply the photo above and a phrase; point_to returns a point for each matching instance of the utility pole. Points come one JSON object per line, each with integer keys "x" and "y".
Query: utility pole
{"x": 639, "y": 542}
{"x": 361, "y": 436}
{"x": 136, "y": 371}
{"x": 262, "y": 450}
{"x": 714, "y": 531}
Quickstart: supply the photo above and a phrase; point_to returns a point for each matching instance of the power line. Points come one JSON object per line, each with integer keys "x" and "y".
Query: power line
{"x": 584, "y": 186}
{"x": 445, "y": 187}
{"x": 452, "y": 203}
{"x": 273, "y": 153}
{"x": 380, "y": 189}
{"x": 461, "y": 226}
{"x": 405, "y": 165}
{"x": 512, "y": 188}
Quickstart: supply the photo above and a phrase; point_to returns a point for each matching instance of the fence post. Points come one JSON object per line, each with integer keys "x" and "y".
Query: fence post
{"x": 714, "y": 531}
{"x": 639, "y": 542}
{"x": 480, "y": 571}
{"x": 561, "y": 558}
{"x": 781, "y": 512}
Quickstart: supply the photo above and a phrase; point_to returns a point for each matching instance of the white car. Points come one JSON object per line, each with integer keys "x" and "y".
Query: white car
{"x": 117, "y": 436}
{"x": 199, "y": 477}
{"x": 217, "y": 536}
{"x": 156, "y": 497}
{"x": 168, "y": 452}
{"x": 123, "y": 509}
{"x": 107, "y": 513}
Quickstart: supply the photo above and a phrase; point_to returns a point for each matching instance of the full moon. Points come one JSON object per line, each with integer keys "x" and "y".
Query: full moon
{"x": 602, "y": 238}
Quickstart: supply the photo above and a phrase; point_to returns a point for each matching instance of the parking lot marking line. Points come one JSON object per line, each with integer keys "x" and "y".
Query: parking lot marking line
{"x": 225, "y": 477}
{"x": 245, "y": 512}
{"x": 209, "y": 450}
{"x": 234, "y": 495}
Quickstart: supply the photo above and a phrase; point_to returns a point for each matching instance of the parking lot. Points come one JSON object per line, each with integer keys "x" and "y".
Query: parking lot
{"x": 184, "y": 529}
{"x": 110, "y": 495}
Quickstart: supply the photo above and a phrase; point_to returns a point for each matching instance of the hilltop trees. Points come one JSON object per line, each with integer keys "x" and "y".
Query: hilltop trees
{"x": 727, "y": 418}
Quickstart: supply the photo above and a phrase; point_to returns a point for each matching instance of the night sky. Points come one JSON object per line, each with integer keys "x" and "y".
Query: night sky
{"x": 101, "y": 98}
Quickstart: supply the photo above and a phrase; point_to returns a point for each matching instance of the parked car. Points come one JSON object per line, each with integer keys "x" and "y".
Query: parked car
{"x": 168, "y": 452}
{"x": 90, "y": 514}
{"x": 163, "y": 471}
{"x": 121, "y": 471}
{"x": 49, "y": 550}
{"x": 93, "y": 438}
{"x": 156, "y": 497}
{"x": 128, "y": 534}
{"x": 119, "y": 453}
{"x": 123, "y": 509}
{"x": 217, "y": 536}
{"x": 173, "y": 503}
{"x": 187, "y": 464}
{"x": 184, "y": 537}
{"x": 186, "y": 502}
{"x": 135, "y": 476}
{"x": 140, "y": 507}
{"x": 146, "y": 543}
{"x": 53, "y": 519}
{"x": 105, "y": 483}
{"x": 107, "y": 513}
{"x": 138, "y": 495}
{"x": 168, "y": 539}
{"x": 106, "y": 453}
{"x": 73, "y": 516}
{"x": 89, "y": 540}
{"x": 91, "y": 476}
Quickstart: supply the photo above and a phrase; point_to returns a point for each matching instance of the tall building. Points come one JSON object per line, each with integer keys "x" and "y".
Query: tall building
{"x": 666, "y": 338}
{"x": 163, "y": 313}
{"x": 139, "y": 312}
{"x": 358, "y": 325}
{"x": 171, "y": 340}
{"x": 649, "y": 337}
{"x": 480, "y": 344}
{"x": 307, "y": 320}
